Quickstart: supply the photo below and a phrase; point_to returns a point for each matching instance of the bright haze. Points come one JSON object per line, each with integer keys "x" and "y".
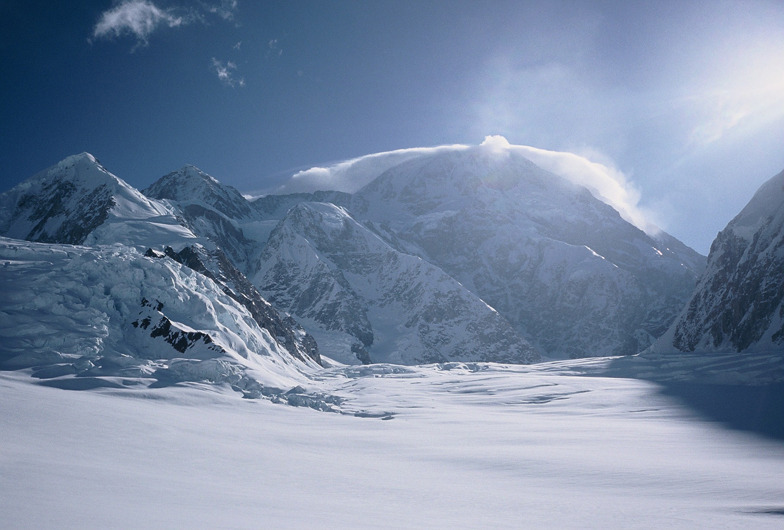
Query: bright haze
{"x": 680, "y": 103}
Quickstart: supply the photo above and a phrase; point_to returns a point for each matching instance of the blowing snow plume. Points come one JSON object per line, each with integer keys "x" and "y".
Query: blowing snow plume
{"x": 605, "y": 182}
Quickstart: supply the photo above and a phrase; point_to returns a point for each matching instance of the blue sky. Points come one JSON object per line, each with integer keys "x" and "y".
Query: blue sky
{"x": 684, "y": 100}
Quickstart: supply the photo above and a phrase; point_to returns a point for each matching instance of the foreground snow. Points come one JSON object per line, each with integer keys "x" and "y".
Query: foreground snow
{"x": 441, "y": 446}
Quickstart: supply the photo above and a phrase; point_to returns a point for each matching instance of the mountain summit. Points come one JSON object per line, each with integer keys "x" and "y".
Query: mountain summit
{"x": 69, "y": 200}
{"x": 193, "y": 186}
{"x": 78, "y": 201}
{"x": 571, "y": 275}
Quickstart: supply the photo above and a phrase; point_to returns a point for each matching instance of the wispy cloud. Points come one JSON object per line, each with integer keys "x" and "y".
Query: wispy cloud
{"x": 351, "y": 175}
{"x": 137, "y": 18}
{"x": 141, "y": 18}
{"x": 727, "y": 109}
{"x": 601, "y": 178}
{"x": 227, "y": 73}
{"x": 226, "y": 9}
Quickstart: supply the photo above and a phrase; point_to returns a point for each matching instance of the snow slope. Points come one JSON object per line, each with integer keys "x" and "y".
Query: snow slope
{"x": 738, "y": 305}
{"x": 110, "y": 316}
{"x": 350, "y": 287}
{"x": 444, "y": 446}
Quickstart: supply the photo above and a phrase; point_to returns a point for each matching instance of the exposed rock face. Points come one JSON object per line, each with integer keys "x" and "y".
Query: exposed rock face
{"x": 737, "y": 305}
{"x": 151, "y": 318}
{"x": 383, "y": 305}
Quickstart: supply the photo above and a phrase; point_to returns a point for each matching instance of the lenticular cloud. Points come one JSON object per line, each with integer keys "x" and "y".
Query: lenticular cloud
{"x": 605, "y": 182}
{"x": 351, "y": 175}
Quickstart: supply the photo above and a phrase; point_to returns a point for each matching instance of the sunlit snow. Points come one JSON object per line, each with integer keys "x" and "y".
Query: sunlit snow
{"x": 442, "y": 446}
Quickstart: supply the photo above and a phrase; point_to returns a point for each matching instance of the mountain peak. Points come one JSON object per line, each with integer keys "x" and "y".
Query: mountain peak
{"x": 68, "y": 201}
{"x": 191, "y": 171}
{"x": 81, "y": 157}
{"x": 189, "y": 185}
{"x": 180, "y": 184}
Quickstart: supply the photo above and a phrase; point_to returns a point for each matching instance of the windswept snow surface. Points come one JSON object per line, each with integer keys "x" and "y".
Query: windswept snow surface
{"x": 554, "y": 445}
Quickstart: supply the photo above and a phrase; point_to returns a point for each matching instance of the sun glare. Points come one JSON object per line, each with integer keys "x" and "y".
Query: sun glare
{"x": 745, "y": 94}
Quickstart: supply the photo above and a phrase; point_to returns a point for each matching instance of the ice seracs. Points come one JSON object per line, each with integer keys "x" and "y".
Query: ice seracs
{"x": 109, "y": 316}
{"x": 78, "y": 202}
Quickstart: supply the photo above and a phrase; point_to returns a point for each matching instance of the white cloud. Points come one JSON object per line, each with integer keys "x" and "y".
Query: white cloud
{"x": 225, "y": 9}
{"x": 351, "y": 175}
{"x": 227, "y": 73}
{"x": 723, "y": 110}
{"x": 138, "y": 18}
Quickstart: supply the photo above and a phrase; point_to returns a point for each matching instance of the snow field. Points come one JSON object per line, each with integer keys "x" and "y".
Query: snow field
{"x": 442, "y": 446}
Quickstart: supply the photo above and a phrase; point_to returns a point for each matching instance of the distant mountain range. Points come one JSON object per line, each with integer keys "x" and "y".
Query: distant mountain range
{"x": 464, "y": 254}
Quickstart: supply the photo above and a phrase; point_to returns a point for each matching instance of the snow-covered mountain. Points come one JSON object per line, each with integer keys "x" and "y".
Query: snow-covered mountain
{"x": 469, "y": 253}
{"x": 276, "y": 206}
{"x": 373, "y": 302}
{"x": 571, "y": 275}
{"x": 78, "y": 202}
{"x": 212, "y": 210}
{"x": 738, "y": 305}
